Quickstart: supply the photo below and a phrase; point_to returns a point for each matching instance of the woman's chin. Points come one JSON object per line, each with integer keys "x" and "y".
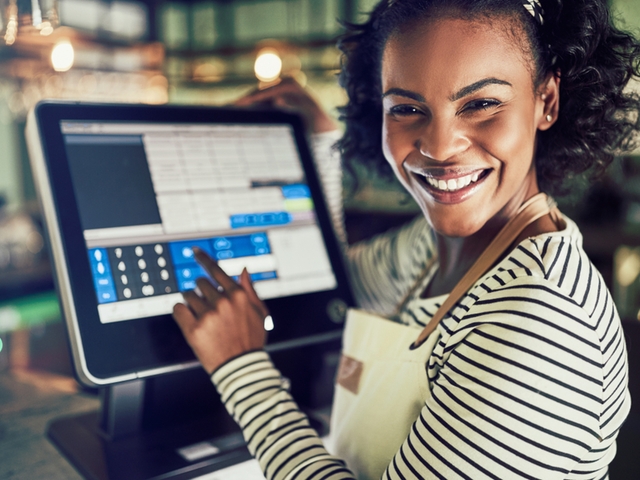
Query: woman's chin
{"x": 457, "y": 230}
{"x": 453, "y": 225}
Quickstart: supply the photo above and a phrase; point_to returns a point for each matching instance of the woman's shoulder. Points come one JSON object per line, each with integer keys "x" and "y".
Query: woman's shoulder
{"x": 555, "y": 260}
{"x": 549, "y": 276}
{"x": 546, "y": 289}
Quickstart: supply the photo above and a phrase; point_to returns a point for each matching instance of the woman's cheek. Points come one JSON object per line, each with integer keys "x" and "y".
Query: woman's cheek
{"x": 508, "y": 140}
{"x": 396, "y": 147}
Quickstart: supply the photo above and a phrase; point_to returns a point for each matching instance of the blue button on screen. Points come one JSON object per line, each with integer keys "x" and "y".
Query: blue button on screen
{"x": 296, "y": 191}
{"x": 259, "y": 219}
{"x": 181, "y": 252}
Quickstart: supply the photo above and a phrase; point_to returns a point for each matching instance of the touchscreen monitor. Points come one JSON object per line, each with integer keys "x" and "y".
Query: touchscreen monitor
{"x": 127, "y": 191}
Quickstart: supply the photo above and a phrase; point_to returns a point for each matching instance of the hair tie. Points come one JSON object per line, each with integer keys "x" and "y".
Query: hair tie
{"x": 534, "y": 7}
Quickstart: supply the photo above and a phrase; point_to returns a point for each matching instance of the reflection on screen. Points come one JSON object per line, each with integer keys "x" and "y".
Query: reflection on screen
{"x": 148, "y": 193}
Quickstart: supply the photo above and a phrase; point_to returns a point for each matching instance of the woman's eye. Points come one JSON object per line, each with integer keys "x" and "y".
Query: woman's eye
{"x": 477, "y": 105}
{"x": 404, "y": 110}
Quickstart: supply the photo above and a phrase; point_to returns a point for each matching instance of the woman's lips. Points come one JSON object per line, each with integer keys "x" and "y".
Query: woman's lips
{"x": 448, "y": 188}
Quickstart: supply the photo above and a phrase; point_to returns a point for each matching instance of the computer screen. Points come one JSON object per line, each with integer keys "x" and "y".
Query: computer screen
{"x": 148, "y": 193}
{"x": 128, "y": 190}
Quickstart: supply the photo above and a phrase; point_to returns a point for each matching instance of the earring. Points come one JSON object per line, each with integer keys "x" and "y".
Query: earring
{"x": 549, "y": 118}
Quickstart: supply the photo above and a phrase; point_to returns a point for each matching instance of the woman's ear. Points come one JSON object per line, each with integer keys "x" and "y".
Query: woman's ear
{"x": 548, "y": 101}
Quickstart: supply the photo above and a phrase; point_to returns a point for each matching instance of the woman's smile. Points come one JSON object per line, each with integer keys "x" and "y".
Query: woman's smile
{"x": 451, "y": 185}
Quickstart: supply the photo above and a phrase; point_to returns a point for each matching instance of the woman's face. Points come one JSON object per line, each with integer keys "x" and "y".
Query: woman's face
{"x": 460, "y": 120}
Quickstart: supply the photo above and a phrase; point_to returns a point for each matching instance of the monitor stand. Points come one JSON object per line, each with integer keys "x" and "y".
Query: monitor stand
{"x": 157, "y": 428}
{"x": 174, "y": 426}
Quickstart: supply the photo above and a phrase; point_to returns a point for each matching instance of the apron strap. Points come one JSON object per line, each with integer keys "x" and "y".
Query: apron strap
{"x": 536, "y": 207}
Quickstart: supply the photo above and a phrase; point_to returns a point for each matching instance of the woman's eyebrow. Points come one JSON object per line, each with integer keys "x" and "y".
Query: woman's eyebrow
{"x": 474, "y": 87}
{"x": 401, "y": 92}
{"x": 463, "y": 92}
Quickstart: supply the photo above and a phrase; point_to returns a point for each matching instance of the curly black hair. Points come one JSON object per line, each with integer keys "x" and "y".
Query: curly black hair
{"x": 578, "y": 41}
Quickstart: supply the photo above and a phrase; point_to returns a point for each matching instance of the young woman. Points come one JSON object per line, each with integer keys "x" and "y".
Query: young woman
{"x": 477, "y": 106}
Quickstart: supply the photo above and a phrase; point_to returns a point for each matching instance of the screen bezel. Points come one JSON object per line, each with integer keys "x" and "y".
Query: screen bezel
{"x": 107, "y": 353}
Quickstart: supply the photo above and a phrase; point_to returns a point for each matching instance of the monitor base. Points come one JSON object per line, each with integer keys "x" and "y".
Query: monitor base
{"x": 152, "y": 454}
{"x": 143, "y": 425}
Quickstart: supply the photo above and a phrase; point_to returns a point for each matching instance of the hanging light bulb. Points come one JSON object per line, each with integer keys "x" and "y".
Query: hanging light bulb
{"x": 62, "y": 56}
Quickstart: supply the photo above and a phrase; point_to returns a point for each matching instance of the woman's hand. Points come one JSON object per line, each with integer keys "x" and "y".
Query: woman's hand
{"x": 223, "y": 322}
{"x": 289, "y": 95}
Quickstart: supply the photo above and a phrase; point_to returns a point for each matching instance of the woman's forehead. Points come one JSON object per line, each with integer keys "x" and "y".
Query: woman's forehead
{"x": 451, "y": 51}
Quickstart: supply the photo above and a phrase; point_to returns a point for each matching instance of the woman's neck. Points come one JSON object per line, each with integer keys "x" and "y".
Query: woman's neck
{"x": 457, "y": 254}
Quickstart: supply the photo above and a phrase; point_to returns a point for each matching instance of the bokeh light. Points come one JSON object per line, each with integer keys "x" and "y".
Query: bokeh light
{"x": 268, "y": 65}
{"x": 62, "y": 56}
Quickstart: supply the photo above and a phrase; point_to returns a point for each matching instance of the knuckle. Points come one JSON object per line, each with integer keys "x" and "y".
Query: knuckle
{"x": 239, "y": 296}
{"x": 224, "y": 304}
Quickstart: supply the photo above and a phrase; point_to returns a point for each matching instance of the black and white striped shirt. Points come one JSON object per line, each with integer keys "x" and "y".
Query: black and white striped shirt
{"x": 528, "y": 378}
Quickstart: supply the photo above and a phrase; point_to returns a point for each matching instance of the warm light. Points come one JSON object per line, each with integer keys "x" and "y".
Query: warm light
{"x": 628, "y": 266}
{"x": 62, "y": 56}
{"x": 268, "y": 65}
{"x": 46, "y": 28}
{"x": 12, "y": 24}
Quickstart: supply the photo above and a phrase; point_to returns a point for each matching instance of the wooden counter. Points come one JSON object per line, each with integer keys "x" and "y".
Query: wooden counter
{"x": 28, "y": 401}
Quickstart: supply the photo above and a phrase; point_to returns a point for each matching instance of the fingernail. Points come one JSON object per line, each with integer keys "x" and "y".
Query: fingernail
{"x": 196, "y": 250}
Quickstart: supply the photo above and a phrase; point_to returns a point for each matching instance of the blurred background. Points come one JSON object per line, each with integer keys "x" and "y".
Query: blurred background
{"x": 210, "y": 52}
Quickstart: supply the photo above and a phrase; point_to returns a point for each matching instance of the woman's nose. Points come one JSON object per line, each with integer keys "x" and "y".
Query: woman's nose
{"x": 441, "y": 140}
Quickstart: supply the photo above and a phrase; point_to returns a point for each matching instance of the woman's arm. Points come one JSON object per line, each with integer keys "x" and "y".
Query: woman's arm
{"x": 224, "y": 327}
{"x": 277, "y": 433}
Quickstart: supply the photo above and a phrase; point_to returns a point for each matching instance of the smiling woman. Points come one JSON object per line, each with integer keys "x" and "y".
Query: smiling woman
{"x": 490, "y": 346}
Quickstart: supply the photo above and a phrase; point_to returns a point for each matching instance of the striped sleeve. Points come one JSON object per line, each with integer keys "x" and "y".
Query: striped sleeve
{"x": 328, "y": 164}
{"x": 518, "y": 393}
{"x": 277, "y": 433}
{"x": 385, "y": 268}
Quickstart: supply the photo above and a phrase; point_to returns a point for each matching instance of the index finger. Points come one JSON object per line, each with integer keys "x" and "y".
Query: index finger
{"x": 213, "y": 269}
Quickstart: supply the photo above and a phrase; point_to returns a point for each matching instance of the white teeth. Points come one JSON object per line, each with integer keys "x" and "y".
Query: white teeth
{"x": 452, "y": 185}
{"x": 462, "y": 182}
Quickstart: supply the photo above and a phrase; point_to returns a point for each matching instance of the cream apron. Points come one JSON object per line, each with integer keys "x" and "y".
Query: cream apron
{"x": 382, "y": 384}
